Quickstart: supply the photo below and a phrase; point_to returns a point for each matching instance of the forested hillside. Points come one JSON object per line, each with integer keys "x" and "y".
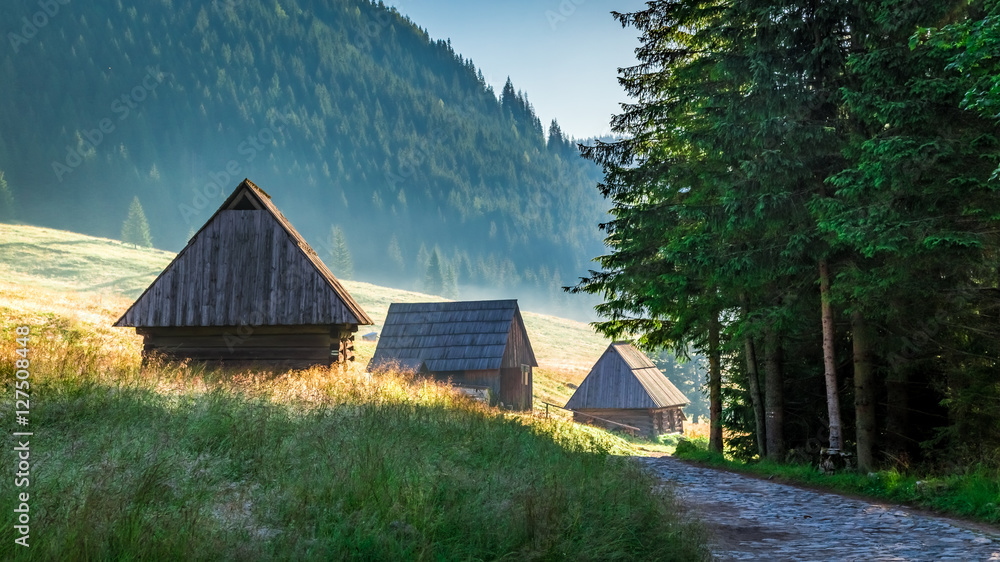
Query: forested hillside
{"x": 807, "y": 194}
{"x": 347, "y": 113}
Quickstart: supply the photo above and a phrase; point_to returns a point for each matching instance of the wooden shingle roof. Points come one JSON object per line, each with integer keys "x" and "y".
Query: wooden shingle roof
{"x": 452, "y": 336}
{"x": 624, "y": 378}
{"x": 246, "y": 266}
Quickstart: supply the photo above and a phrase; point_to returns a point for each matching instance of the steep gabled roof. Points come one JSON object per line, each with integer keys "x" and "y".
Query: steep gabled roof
{"x": 246, "y": 266}
{"x": 453, "y": 336}
{"x": 624, "y": 378}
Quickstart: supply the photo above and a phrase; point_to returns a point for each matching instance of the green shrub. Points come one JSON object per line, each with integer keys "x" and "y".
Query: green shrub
{"x": 670, "y": 439}
{"x": 687, "y": 447}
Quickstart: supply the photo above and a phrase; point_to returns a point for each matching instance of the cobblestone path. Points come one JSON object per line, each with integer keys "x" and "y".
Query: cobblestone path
{"x": 753, "y": 519}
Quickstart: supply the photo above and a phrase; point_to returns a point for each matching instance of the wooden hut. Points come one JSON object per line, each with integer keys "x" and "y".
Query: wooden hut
{"x": 478, "y": 345}
{"x": 247, "y": 290}
{"x": 624, "y": 386}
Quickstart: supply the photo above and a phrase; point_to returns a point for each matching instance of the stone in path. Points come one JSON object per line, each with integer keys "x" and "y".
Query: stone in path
{"x": 753, "y": 519}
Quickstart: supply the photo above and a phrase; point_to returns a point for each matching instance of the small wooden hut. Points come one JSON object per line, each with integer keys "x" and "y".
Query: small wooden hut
{"x": 247, "y": 290}
{"x": 624, "y": 386}
{"x": 478, "y": 345}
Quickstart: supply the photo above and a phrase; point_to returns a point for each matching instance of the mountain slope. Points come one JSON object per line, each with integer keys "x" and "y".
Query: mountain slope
{"x": 346, "y": 112}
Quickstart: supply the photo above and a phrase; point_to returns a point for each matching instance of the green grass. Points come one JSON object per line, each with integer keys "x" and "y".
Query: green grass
{"x": 66, "y": 261}
{"x": 974, "y": 493}
{"x": 176, "y": 463}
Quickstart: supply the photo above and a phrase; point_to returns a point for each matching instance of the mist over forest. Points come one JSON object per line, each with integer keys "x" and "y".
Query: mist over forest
{"x": 383, "y": 146}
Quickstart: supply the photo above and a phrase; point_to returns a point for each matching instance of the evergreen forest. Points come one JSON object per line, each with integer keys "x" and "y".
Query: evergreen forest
{"x": 805, "y": 192}
{"x": 347, "y": 113}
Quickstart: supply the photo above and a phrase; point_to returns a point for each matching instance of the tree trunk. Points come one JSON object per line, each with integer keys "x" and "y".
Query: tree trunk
{"x": 758, "y": 406}
{"x": 774, "y": 395}
{"x": 864, "y": 392}
{"x": 714, "y": 387}
{"x": 829, "y": 360}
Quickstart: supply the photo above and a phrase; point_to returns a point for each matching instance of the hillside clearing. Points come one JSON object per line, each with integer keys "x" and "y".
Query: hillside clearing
{"x": 65, "y": 261}
{"x": 181, "y": 463}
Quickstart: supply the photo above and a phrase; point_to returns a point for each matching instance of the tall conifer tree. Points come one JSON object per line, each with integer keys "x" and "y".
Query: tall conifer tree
{"x": 7, "y": 213}
{"x": 135, "y": 229}
{"x": 340, "y": 255}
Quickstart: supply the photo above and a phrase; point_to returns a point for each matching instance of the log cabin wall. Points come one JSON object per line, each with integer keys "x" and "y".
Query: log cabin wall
{"x": 650, "y": 422}
{"x": 238, "y": 346}
{"x": 516, "y": 386}
{"x": 488, "y": 378}
{"x": 639, "y": 418}
{"x": 515, "y": 391}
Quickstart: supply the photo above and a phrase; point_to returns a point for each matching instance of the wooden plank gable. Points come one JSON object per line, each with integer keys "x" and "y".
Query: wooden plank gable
{"x": 246, "y": 265}
{"x": 624, "y": 378}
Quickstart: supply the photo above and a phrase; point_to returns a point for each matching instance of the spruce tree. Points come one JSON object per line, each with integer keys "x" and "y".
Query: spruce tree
{"x": 450, "y": 281}
{"x": 340, "y": 254}
{"x": 396, "y": 254}
{"x": 434, "y": 279}
{"x": 7, "y": 213}
{"x": 423, "y": 257}
{"x": 557, "y": 142}
{"x": 135, "y": 229}
{"x": 913, "y": 206}
{"x": 733, "y": 131}
{"x": 788, "y": 169}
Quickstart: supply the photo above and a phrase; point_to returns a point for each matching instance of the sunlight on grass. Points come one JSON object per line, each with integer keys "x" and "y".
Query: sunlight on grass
{"x": 61, "y": 261}
{"x": 179, "y": 462}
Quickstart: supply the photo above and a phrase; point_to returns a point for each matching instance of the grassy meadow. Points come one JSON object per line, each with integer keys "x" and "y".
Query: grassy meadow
{"x": 179, "y": 463}
{"x": 66, "y": 261}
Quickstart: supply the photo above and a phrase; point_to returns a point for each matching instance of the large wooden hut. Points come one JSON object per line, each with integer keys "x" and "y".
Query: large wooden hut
{"x": 247, "y": 290}
{"x": 624, "y": 386}
{"x": 478, "y": 345}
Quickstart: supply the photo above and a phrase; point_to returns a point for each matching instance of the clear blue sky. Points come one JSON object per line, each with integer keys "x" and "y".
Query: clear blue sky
{"x": 564, "y": 54}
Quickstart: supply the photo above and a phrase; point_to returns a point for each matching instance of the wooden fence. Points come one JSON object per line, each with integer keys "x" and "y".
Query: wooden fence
{"x": 632, "y": 430}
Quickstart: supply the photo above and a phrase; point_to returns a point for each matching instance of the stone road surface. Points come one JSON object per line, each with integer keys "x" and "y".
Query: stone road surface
{"x": 754, "y": 519}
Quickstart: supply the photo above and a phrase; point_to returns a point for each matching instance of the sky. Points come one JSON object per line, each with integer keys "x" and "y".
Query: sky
{"x": 564, "y": 54}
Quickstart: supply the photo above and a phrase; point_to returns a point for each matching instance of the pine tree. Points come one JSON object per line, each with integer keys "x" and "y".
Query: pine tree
{"x": 788, "y": 168}
{"x": 450, "y": 281}
{"x": 508, "y": 99}
{"x": 423, "y": 258}
{"x": 7, "y": 213}
{"x": 434, "y": 278}
{"x": 340, "y": 255}
{"x": 557, "y": 142}
{"x": 733, "y": 131}
{"x": 395, "y": 254}
{"x": 912, "y": 207}
{"x": 135, "y": 229}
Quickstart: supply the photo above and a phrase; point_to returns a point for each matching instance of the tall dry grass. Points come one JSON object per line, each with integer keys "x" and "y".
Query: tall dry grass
{"x": 173, "y": 462}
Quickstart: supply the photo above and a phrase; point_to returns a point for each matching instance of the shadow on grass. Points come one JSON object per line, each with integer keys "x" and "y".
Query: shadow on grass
{"x": 271, "y": 468}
